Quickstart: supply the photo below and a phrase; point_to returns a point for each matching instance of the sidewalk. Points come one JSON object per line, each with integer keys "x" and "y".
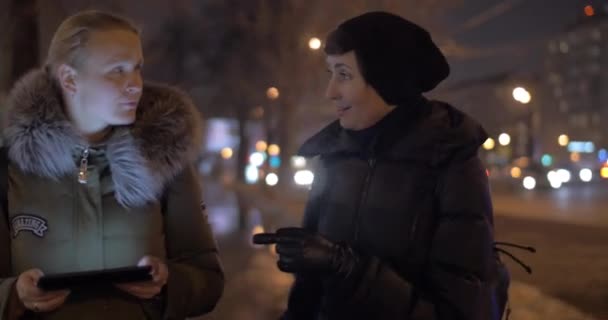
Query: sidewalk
{"x": 529, "y": 303}
{"x": 257, "y": 290}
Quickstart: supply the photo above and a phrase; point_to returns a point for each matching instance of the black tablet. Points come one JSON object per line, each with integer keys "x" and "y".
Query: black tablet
{"x": 265, "y": 238}
{"x": 73, "y": 280}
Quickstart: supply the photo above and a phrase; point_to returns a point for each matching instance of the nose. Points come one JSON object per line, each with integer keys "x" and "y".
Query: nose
{"x": 332, "y": 91}
{"x": 135, "y": 83}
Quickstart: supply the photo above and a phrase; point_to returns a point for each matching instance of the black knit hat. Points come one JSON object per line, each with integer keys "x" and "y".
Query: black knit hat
{"x": 397, "y": 57}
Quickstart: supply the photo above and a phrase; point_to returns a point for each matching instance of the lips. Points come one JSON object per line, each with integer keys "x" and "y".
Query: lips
{"x": 341, "y": 110}
{"x": 129, "y": 105}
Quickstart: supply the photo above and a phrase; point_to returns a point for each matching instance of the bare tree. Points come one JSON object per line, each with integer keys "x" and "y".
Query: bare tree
{"x": 244, "y": 47}
{"x": 283, "y": 29}
{"x": 21, "y": 42}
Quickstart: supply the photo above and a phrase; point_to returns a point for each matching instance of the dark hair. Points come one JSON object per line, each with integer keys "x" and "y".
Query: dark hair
{"x": 339, "y": 42}
{"x": 396, "y": 57}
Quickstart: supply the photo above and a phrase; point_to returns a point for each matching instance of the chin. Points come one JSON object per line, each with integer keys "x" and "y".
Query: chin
{"x": 344, "y": 124}
{"x": 123, "y": 121}
{"x": 349, "y": 125}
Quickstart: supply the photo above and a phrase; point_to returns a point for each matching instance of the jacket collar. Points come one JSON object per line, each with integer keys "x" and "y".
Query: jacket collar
{"x": 334, "y": 139}
{"x": 143, "y": 156}
{"x": 428, "y": 132}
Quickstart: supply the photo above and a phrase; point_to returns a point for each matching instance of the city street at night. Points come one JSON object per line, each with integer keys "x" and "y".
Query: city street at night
{"x": 391, "y": 123}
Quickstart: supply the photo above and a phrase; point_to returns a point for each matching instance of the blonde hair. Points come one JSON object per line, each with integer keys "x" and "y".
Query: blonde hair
{"x": 74, "y": 32}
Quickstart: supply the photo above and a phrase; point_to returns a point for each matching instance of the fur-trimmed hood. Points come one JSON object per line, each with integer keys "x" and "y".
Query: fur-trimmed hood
{"x": 143, "y": 157}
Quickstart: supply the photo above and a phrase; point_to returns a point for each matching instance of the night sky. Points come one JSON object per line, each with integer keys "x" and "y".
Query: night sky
{"x": 492, "y": 36}
{"x": 484, "y": 37}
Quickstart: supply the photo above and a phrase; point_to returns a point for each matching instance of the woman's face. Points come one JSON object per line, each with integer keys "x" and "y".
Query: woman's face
{"x": 108, "y": 85}
{"x": 358, "y": 105}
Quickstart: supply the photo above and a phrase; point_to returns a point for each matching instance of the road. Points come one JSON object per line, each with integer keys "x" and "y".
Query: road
{"x": 571, "y": 262}
{"x": 569, "y": 229}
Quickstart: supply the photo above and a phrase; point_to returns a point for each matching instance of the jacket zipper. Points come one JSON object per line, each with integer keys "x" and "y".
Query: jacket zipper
{"x": 434, "y": 196}
{"x": 413, "y": 229}
{"x": 372, "y": 164}
{"x": 83, "y": 175}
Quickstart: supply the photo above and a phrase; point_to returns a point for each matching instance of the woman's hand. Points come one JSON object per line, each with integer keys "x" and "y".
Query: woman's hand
{"x": 148, "y": 289}
{"x": 302, "y": 251}
{"x": 34, "y": 298}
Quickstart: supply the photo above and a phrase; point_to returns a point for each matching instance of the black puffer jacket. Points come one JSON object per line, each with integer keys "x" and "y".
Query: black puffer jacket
{"x": 417, "y": 204}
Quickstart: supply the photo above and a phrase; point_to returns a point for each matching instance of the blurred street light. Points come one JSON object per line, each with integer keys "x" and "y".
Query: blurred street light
{"x": 272, "y": 179}
{"x": 522, "y": 95}
{"x": 261, "y": 146}
{"x": 586, "y": 175}
{"x": 516, "y": 172}
{"x": 298, "y": 162}
{"x": 575, "y": 157}
{"x": 251, "y": 174}
{"x": 563, "y": 140}
{"x": 546, "y": 160}
{"x": 529, "y": 183}
{"x": 589, "y": 11}
{"x": 489, "y": 144}
{"x": 256, "y": 159}
{"x": 564, "y": 175}
{"x": 604, "y": 172}
{"x": 314, "y": 43}
{"x": 504, "y": 139}
{"x": 272, "y": 93}
{"x": 274, "y": 161}
{"x": 226, "y": 153}
{"x": 304, "y": 177}
{"x": 274, "y": 150}
{"x": 554, "y": 179}
{"x": 602, "y": 155}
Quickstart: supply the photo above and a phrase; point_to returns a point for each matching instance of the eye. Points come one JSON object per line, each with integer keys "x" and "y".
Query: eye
{"x": 118, "y": 70}
{"x": 344, "y": 75}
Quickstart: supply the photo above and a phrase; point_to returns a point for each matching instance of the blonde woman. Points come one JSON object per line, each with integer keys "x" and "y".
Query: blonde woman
{"x": 99, "y": 177}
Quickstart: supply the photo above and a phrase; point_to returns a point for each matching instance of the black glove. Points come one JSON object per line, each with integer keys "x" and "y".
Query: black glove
{"x": 302, "y": 251}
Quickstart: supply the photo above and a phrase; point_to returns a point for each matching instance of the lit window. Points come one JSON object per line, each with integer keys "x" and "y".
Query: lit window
{"x": 563, "y": 47}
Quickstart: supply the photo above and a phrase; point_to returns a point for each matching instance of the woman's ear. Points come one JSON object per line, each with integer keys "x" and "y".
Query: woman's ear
{"x": 67, "y": 78}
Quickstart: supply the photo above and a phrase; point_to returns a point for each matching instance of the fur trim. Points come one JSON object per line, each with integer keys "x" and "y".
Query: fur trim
{"x": 143, "y": 157}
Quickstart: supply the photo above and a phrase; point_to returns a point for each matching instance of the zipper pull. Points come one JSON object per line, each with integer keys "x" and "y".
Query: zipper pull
{"x": 84, "y": 162}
